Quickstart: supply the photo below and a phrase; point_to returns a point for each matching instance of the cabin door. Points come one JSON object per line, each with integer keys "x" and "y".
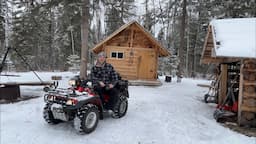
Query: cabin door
{"x": 147, "y": 64}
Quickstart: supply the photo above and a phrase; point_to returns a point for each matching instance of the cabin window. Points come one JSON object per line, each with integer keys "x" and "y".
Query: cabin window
{"x": 120, "y": 55}
{"x": 113, "y": 54}
{"x": 117, "y": 55}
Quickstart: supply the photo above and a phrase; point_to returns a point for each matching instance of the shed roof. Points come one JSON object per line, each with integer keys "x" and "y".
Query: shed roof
{"x": 162, "y": 51}
{"x": 231, "y": 38}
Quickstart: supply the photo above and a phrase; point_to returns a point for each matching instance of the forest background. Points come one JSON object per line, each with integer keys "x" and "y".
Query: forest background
{"x": 48, "y": 32}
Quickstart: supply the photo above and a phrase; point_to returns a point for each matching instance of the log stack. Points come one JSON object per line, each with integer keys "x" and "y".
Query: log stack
{"x": 247, "y": 95}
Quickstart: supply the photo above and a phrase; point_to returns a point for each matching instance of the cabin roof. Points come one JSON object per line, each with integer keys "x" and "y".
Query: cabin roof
{"x": 162, "y": 51}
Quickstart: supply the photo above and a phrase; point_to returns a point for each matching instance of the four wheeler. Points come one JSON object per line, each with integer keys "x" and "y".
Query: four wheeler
{"x": 82, "y": 105}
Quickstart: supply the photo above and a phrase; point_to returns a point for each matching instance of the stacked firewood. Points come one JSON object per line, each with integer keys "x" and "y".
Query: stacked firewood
{"x": 248, "y": 104}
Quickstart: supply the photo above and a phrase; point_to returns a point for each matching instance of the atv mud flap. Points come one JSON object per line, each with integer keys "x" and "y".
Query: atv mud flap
{"x": 223, "y": 115}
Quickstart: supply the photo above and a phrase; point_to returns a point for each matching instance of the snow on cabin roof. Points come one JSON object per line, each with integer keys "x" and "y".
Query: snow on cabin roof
{"x": 234, "y": 37}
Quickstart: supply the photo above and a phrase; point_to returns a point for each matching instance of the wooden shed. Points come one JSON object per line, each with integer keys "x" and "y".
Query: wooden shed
{"x": 133, "y": 52}
{"x": 231, "y": 45}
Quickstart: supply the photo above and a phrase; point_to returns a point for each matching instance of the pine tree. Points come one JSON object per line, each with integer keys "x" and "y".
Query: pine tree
{"x": 148, "y": 17}
{"x": 40, "y": 33}
{"x": 117, "y": 13}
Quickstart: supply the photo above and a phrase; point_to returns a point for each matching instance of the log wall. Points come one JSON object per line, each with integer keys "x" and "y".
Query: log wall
{"x": 247, "y": 95}
{"x": 137, "y": 63}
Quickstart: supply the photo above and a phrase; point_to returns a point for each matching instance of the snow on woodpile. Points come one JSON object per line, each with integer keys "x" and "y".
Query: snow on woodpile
{"x": 234, "y": 37}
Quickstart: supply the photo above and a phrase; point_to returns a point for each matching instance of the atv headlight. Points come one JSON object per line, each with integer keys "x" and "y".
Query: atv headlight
{"x": 72, "y": 82}
{"x": 71, "y": 102}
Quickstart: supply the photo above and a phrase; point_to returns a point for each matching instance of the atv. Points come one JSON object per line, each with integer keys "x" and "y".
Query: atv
{"x": 82, "y": 105}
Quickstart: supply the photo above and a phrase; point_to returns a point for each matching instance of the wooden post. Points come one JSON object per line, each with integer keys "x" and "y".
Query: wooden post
{"x": 156, "y": 64}
{"x": 131, "y": 38}
{"x": 240, "y": 96}
{"x": 223, "y": 83}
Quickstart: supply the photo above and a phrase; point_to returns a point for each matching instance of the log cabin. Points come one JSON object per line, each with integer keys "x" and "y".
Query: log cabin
{"x": 134, "y": 53}
{"x": 231, "y": 45}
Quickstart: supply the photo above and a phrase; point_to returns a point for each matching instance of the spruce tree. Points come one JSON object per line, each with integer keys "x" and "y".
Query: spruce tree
{"x": 117, "y": 13}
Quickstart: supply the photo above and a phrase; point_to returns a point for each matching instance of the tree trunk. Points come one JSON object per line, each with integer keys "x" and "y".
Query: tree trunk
{"x": 84, "y": 39}
{"x": 182, "y": 39}
{"x": 147, "y": 16}
{"x": 173, "y": 27}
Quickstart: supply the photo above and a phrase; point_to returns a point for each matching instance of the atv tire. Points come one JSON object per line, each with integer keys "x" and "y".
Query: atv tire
{"x": 48, "y": 116}
{"x": 86, "y": 119}
{"x": 121, "y": 107}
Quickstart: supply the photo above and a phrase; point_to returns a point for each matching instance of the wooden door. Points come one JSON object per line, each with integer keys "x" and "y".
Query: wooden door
{"x": 146, "y": 64}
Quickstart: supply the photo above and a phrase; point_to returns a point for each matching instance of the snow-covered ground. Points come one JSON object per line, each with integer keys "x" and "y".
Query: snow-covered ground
{"x": 169, "y": 114}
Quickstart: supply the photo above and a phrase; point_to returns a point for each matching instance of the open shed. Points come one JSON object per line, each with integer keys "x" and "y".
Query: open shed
{"x": 231, "y": 45}
{"x": 133, "y": 52}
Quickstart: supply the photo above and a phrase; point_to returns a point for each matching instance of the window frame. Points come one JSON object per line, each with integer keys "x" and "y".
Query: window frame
{"x": 117, "y": 54}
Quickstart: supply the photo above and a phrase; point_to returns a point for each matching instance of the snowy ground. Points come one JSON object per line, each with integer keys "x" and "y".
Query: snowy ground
{"x": 170, "y": 114}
